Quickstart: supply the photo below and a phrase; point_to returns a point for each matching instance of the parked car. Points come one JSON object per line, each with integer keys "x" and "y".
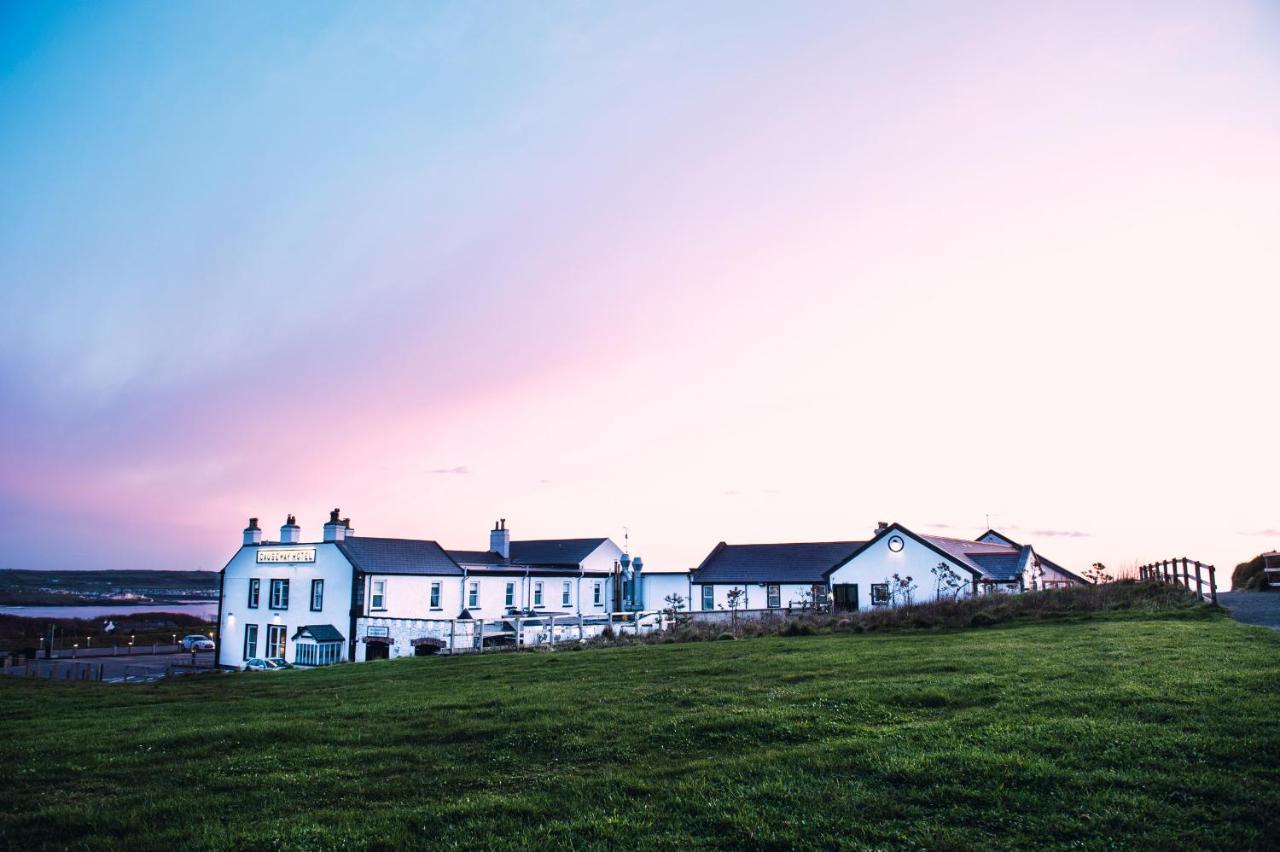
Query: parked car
{"x": 196, "y": 642}
{"x": 257, "y": 664}
{"x": 279, "y": 662}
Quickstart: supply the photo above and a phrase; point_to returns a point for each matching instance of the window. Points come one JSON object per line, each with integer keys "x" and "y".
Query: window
{"x": 473, "y": 594}
{"x": 316, "y": 653}
{"x": 255, "y": 586}
{"x": 275, "y": 640}
{"x": 708, "y": 597}
{"x": 317, "y": 595}
{"x": 510, "y": 599}
{"x": 435, "y": 595}
{"x": 378, "y": 596}
{"x": 774, "y": 594}
{"x": 250, "y": 641}
{"x": 537, "y": 593}
{"x": 597, "y": 593}
{"x": 279, "y": 594}
{"x": 566, "y": 594}
{"x": 879, "y": 594}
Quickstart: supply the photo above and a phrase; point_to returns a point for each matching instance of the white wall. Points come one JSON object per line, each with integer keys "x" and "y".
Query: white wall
{"x": 656, "y": 588}
{"x": 330, "y": 565}
{"x": 878, "y": 563}
{"x": 757, "y": 595}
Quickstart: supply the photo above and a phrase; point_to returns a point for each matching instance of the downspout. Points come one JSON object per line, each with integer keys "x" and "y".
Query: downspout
{"x": 222, "y": 593}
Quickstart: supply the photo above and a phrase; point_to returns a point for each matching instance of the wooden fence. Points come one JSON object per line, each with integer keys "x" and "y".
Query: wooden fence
{"x": 1191, "y": 575}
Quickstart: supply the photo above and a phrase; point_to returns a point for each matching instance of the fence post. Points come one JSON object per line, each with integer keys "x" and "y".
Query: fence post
{"x": 581, "y": 634}
{"x": 1199, "y": 582}
{"x": 551, "y": 630}
{"x": 480, "y": 640}
{"x": 519, "y": 634}
{"x": 453, "y": 639}
{"x": 1213, "y": 586}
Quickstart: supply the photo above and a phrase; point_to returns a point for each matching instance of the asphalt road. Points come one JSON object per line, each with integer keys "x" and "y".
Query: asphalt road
{"x": 136, "y": 667}
{"x": 1262, "y": 608}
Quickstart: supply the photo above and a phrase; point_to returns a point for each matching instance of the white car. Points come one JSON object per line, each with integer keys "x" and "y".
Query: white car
{"x": 196, "y": 642}
{"x": 269, "y": 664}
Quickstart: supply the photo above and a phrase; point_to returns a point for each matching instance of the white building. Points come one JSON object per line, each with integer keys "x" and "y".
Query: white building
{"x": 351, "y": 597}
{"x": 858, "y": 575}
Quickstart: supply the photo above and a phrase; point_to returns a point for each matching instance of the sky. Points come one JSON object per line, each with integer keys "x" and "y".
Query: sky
{"x": 690, "y": 272}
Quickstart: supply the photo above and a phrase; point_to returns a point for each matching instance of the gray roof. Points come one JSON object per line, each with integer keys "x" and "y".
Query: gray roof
{"x": 554, "y": 551}
{"x": 797, "y": 562}
{"x": 320, "y": 632}
{"x": 476, "y": 557}
{"x": 1000, "y": 566}
{"x": 397, "y": 556}
{"x": 1048, "y": 563}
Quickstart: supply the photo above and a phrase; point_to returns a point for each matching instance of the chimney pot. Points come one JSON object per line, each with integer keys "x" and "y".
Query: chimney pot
{"x": 290, "y": 533}
{"x": 252, "y": 535}
{"x": 500, "y": 539}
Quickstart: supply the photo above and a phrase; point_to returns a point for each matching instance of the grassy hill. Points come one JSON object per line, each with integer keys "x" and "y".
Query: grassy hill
{"x": 1151, "y": 730}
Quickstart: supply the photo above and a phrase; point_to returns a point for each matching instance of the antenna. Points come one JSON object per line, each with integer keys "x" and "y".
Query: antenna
{"x": 626, "y": 539}
{"x": 988, "y": 520}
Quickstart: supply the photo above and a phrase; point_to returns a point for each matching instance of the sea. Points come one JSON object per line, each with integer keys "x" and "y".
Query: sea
{"x": 206, "y": 609}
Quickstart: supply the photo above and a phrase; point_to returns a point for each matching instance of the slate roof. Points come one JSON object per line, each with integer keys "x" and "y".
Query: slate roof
{"x": 476, "y": 557}
{"x": 797, "y": 562}
{"x": 965, "y": 552}
{"x": 1002, "y": 566}
{"x": 397, "y": 556}
{"x": 554, "y": 551}
{"x": 320, "y": 632}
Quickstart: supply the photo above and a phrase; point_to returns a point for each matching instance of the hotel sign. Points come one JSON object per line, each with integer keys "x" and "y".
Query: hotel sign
{"x": 293, "y": 554}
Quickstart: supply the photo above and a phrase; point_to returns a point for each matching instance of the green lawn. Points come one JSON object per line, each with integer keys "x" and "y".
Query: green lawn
{"x": 1132, "y": 730}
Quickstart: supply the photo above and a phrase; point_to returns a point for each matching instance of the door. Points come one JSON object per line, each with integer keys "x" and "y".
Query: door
{"x": 276, "y": 640}
{"x": 845, "y": 597}
{"x": 377, "y": 651}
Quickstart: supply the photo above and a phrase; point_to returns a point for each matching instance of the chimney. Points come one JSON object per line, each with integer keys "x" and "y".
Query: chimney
{"x": 252, "y": 535}
{"x": 881, "y": 527}
{"x": 290, "y": 533}
{"x": 500, "y": 539}
{"x": 348, "y": 530}
{"x": 334, "y": 530}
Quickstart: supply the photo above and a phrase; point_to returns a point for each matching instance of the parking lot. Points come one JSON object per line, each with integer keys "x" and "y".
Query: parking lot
{"x": 120, "y": 668}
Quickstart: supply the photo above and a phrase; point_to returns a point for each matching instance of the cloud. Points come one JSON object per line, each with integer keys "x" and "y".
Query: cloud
{"x": 460, "y": 469}
{"x": 1060, "y": 533}
{"x": 1266, "y": 532}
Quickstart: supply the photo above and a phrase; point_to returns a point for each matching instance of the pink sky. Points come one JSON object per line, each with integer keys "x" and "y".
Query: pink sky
{"x": 708, "y": 274}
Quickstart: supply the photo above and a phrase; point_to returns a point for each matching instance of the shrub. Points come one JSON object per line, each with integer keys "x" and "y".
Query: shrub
{"x": 726, "y": 635}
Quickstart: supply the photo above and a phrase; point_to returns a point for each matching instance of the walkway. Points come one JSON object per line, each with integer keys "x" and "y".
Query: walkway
{"x": 1253, "y": 607}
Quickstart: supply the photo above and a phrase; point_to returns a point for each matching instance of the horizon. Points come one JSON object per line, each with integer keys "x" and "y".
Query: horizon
{"x": 720, "y": 273}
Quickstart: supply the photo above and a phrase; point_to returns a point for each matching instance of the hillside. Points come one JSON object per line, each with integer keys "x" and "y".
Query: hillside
{"x": 1135, "y": 729}
{"x": 71, "y": 588}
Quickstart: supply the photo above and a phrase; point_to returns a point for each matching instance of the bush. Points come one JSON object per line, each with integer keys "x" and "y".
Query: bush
{"x": 1249, "y": 577}
{"x": 726, "y": 635}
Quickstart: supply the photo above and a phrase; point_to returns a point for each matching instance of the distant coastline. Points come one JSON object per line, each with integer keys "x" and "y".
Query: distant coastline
{"x": 125, "y": 588}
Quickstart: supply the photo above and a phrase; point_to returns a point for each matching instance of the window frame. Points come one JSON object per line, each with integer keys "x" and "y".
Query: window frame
{"x": 566, "y": 593}
{"x": 434, "y": 600}
{"x": 598, "y": 593}
{"x": 250, "y": 650}
{"x": 377, "y": 595}
{"x": 879, "y": 594}
{"x": 473, "y": 594}
{"x": 255, "y": 591}
{"x": 537, "y": 593}
{"x": 278, "y": 601}
{"x": 283, "y": 632}
{"x": 708, "y": 598}
{"x": 509, "y": 596}
{"x": 317, "y": 595}
{"x": 773, "y": 595}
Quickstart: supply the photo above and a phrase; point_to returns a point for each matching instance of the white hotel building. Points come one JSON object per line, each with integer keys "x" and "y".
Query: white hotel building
{"x": 351, "y": 597}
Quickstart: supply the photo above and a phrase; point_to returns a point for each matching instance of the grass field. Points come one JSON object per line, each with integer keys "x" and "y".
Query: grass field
{"x": 1138, "y": 730}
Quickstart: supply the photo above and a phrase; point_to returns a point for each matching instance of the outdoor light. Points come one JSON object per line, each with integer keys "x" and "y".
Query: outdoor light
{"x": 895, "y": 543}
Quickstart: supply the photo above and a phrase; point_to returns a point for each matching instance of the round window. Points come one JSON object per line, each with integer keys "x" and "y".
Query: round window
{"x": 895, "y": 543}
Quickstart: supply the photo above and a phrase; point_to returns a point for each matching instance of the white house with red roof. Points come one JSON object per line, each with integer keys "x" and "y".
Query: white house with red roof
{"x": 895, "y": 566}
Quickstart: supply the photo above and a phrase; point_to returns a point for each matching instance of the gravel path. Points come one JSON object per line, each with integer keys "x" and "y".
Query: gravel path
{"x": 1253, "y": 607}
